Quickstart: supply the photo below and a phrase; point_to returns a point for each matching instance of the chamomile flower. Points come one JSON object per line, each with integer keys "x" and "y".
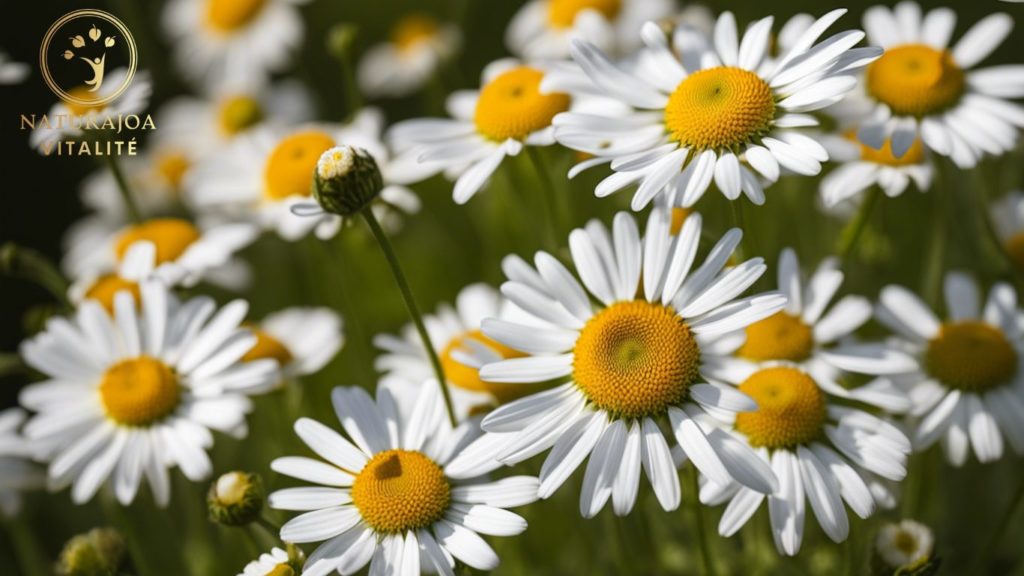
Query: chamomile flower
{"x": 138, "y": 264}
{"x": 906, "y": 544}
{"x": 12, "y": 72}
{"x": 418, "y": 45}
{"x": 967, "y": 386}
{"x": 273, "y": 563}
{"x": 508, "y": 112}
{"x": 820, "y": 451}
{"x": 384, "y": 494}
{"x": 862, "y": 167}
{"x": 263, "y": 175}
{"x": 923, "y": 88}
{"x": 715, "y": 113}
{"x": 1008, "y": 218}
{"x": 17, "y": 472}
{"x": 134, "y": 393}
{"x": 542, "y": 29}
{"x": 632, "y": 349}
{"x": 220, "y": 42}
{"x": 463, "y": 349}
{"x": 301, "y": 340}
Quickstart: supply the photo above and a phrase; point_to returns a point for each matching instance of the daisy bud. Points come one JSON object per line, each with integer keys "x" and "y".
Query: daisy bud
{"x": 347, "y": 179}
{"x": 904, "y": 548}
{"x": 235, "y": 499}
{"x": 98, "y": 552}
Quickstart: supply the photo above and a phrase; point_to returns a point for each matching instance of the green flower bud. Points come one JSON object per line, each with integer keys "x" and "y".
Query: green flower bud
{"x": 98, "y": 552}
{"x": 235, "y": 499}
{"x": 346, "y": 180}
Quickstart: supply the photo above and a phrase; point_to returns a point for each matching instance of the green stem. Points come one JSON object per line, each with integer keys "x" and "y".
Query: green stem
{"x": 552, "y": 199}
{"x": 855, "y": 229}
{"x": 698, "y": 525}
{"x": 937, "y": 244}
{"x": 410, "y": 304}
{"x": 985, "y": 558}
{"x": 27, "y": 264}
{"x": 28, "y": 551}
{"x": 122, "y": 186}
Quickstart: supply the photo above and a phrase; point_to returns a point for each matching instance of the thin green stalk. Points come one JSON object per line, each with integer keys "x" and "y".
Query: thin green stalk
{"x": 27, "y": 264}
{"x": 353, "y": 321}
{"x": 122, "y": 186}
{"x": 937, "y": 243}
{"x": 984, "y": 559}
{"x": 554, "y": 199}
{"x": 704, "y": 545}
{"x": 410, "y": 304}
{"x": 853, "y": 231}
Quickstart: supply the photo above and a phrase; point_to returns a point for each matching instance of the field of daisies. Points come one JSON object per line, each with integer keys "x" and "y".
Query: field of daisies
{"x": 623, "y": 287}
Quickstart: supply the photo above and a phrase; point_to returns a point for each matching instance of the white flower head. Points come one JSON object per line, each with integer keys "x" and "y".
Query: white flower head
{"x": 301, "y": 339}
{"x": 905, "y": 543}
{"x": 17, "y": 472}
{"x": 416, "y": 48}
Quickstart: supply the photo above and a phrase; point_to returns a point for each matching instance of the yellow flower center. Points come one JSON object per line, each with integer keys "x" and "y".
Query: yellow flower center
{"x": 238, "y": 113}
{"x": 511, "y": 105}
{"x": 780, "y": 336}
{"x": 790, "y": 408}
{"x": 972, "y": 356}
{"x": 884, "y": 156}
{"x": 227, "y": 16}
{"x": 400, "y": 490}
{"x": 282, "y": 570}
{"x": 108, "y": 285}
{"x": 720, "y": 108}
{"x": 268, "y": 347}
{"x": 139, "y": 392}
{"x": 171, "y": 236}
{"x": 82, "y": 94}
{"x": 1015, "y": 248}
{"x": 562, "y": 13}
{"x": 916, "y": 80}
{"x": 905, "y": 542}
{"x": 413, "y": 30}
{"x": 171, "y": 166}
{"x": 635, "y": 359}
{"x": 289, "y": 170}
{"x": 679, "y": 216}
{"x": 468, "y": 378}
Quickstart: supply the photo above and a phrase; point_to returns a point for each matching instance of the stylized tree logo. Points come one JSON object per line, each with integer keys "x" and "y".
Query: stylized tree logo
{"x": 96, "y": 38}
{"x": 97, "y": 63}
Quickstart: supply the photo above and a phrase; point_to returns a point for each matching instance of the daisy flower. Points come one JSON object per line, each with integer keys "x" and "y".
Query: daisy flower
{"x": 138, "y": 264}
{"x": 632, "y": 348}
{"x": 265, "y": 174}
{"x": 462, "y": 347}
{"x": 301, "y": 340}
{"x": 508, "y": 112}
{"x": 906, "y": 544}
{"x": 820, "y": 451}
{"x": 219, "y": 42}
{"x": 542, "y": 29}
{"x": 273, "y": 563}
{"x": 134, "y": 393}
{"x": 1008, "y": 219}
{"x": 967, "y": 385}
{"x": 12, "y": 72}
{"x": 17, "y": 472}
{"x": 923, "y": 88}
{"x": 384, "y": 495}
{"x": 861, "y": 167}
{"x": 715, "y": 113}
{"x": 417, "y": 46}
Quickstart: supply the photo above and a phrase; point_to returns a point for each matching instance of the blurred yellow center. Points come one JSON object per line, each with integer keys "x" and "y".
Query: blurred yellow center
{"x": 916, "y": 80}
{"x": 108, "y": 285}
{"x": 84, "y": 96}
{"x": 171, "y": 236}
{"x": 268, "y": 347}
{"x": 468, "y": 378}
{"x": 720, "y": 108}
{"x": 884, "y": 155}
{"x": 511, "y": 105}
{"x": 1015, "y": 248}
{"x": 139, "y": 392}
{"x": 562, "y": 13}
{"x": 780, "y": 336}
{"x": 791, "y": 408}
{"x": 171, "y": 166}
{"x": 679, "y": 216}
{"x": 289, "y": 170}
{"x": 413, "y": 30}
{"x": 230, "y": 15}
{"x": 281, "y": 570}
{"x": 238, "y": 113}
{"x": 972, "y": 356}
{"x": 400, "y": 490}
{"x": 635, "y": 359}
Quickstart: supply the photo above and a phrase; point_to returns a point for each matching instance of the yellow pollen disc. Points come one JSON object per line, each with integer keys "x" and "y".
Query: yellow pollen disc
{"x": 268, "y": 347}
{"x": 780, "y": 336}
{"x": 1015, "y": 248}
{"x": 884, "y": 156}
{"x": 82, "y": 94}
{"x": 679, "y": 216}
{"x": 106, "y": 286}
{"x": 171, "y": 236}
{"x": 172, "y": 166}
{"x": 635, "y": 359}
{"x": 400, "y": 490}
{"x": 230, "y": 15}
{"x": 720, "y": 108}
{"x": 916, "y": 80}
{"x": 905, "y": 542}
{"x": 972, "y": 356}
{"x": 562, "y": 13}
{"x": 791, "y": 408}
{"x": 413, "y": 30}
{"x": 139, "y": 392}
{"x": 468, "y": 378}
{"x": 511, "y": 105}
{"x": 237, "y": 113}
{"x": 289, "y": 170}
{"x": 282, "y": 570}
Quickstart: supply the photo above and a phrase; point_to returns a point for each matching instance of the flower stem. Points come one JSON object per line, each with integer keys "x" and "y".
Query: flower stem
{"x": 126, "y": 192}
{"x": 936, "y": 243}
{"x": 855, "y": 229}
{"x": 548, "y": 193}
{"x": 985, "y": 557}
{"x": 698, "y": 526}
{"x": 27, "y": 264}
{"x": 410, "y": 304}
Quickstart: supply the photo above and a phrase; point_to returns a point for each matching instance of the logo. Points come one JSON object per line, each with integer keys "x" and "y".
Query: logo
{"x": 79, "y": 52}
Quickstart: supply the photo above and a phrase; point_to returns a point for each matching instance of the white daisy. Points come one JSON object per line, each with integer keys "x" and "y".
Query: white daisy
{"x": 17, "y": 472}
{"x": 301, "y": 340}
{"x": 12, "y": 72}
{"x": 542, "y": 29}
{"x": 273, "y": 563}
{"x": 636, "y": 342}
{"x": 967, "y": 386}
{"x": 1008, "y": 219}
{"x": 508, "y": 112}
{"x": 135, "y": 393}
{"x": 922, "y": 88}
{"x": 385, "y": 496}
{"x": 138, "y": 264}
{"x": 819, "y": 450}
{"x": 418, "y": 45}
{"x": 713, "y": 112}
{"x": 220, "y": 42}
{"x": 862, "y": 167}
{"x": 904, "y": 544}
{"x": 263, "y": 175}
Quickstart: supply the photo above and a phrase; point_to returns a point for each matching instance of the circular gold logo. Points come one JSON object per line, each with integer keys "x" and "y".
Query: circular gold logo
{"x": 88, "y": 57}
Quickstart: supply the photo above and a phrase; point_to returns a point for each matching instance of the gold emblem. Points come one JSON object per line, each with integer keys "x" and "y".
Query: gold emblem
{"x": 78, "y": 51}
